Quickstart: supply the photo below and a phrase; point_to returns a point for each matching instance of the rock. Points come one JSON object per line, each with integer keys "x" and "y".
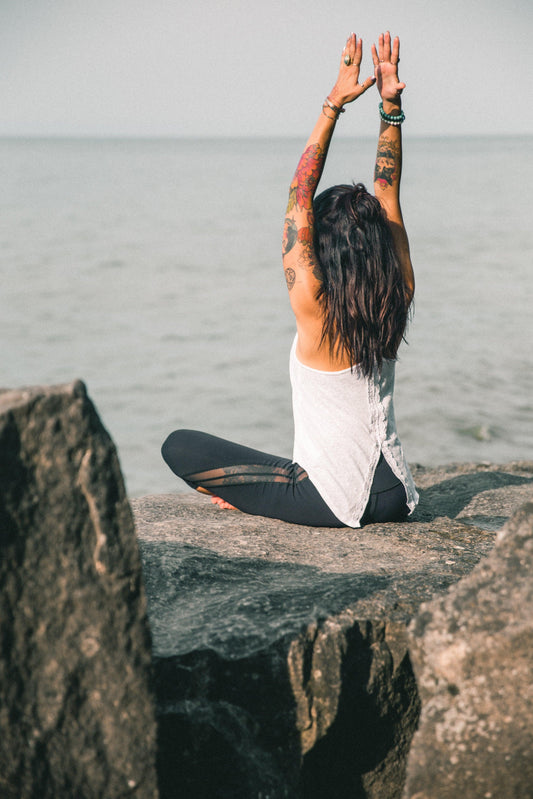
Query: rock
{"x": 280, "y": 651}
{"x": 76, "y": 710}
{"x": 473, "y": 657}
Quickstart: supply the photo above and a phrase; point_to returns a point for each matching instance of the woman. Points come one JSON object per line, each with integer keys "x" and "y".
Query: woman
{"x": 350, "y": 280}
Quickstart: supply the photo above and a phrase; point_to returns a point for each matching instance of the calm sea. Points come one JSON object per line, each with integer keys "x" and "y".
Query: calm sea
{"x": 151, "y": 270}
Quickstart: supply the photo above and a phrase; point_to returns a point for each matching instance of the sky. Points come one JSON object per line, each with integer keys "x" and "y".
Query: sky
{"x": 256, "y": 67}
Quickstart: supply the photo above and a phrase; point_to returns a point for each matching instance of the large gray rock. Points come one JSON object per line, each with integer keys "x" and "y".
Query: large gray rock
{"x": 280, "y": 651}
{"x": 76, "y": 712}
{"x": 473, "y": 657}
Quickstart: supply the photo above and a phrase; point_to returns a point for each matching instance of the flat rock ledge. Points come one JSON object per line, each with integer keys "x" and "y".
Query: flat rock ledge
{"x": 281, "y": 653}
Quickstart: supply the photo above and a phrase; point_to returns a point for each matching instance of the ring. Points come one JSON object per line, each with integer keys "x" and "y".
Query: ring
{"x": 347, "y": 60}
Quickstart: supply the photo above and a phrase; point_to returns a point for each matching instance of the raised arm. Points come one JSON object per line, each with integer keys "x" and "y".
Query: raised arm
{"x": 299, "y": 260}
{"x": 388, "y": 169}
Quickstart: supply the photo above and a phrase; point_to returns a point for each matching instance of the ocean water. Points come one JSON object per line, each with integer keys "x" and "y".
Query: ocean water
{"x": 151, "y": 270}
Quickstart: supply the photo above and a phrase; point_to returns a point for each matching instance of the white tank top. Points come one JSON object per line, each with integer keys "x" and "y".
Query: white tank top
{"x": 342, "y": 422}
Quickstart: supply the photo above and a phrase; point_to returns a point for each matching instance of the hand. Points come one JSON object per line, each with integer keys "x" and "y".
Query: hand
{"x": 347, "y": 88}
{"x": 386, "y": 68}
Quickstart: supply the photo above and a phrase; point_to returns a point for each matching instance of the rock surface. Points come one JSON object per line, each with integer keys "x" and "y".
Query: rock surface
{"x": 473, "y": 657}
{"x": 280, "y": 651}
{"x": 76, "y": 711}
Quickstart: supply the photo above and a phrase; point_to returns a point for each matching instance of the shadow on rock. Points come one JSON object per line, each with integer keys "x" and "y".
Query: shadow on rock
{"x": 199, "y": 599}
{"x": 450, "y": 497}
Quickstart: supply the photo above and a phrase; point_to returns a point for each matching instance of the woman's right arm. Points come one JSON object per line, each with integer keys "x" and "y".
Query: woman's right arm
{"x": 302, "y": 271}
{"x": 388, "y": 168}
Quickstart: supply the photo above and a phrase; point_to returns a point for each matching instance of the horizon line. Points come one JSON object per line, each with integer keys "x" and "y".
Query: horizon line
{"x": 229, "y": 136}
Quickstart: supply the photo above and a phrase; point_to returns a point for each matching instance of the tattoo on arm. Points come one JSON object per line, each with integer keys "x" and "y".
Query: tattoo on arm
{"x": 290, "y": 277}
{"x": 384, "y": 175}
{"x": 300, "y": 230}
{"x": 317, "y": 271}
{"x": 386, "y": 171}
{"x": 290, "y": 235}
{"x": 305, "y": 236}
{"x": 306, "y": 177}
{"x": 308, "y": 261}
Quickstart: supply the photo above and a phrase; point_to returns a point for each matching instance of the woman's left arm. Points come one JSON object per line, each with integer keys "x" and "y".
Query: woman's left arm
{"x": 388, "y": 168}
{"x": 300, "y": 264}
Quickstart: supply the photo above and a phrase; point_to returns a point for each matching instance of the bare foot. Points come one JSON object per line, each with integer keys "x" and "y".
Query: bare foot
{"x": 222, "y": 503}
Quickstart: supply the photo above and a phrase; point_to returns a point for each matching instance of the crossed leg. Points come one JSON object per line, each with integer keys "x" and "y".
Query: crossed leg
{"x": 252, "y": 481}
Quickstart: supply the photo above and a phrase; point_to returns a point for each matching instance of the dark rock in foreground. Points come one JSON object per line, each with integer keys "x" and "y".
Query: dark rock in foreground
{"x": 473, "y": 657}
{"x": 76, "y": 713}
{"x": 281, "y": 652}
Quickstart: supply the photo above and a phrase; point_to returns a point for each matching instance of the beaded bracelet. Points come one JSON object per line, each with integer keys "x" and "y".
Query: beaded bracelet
{"x": 334, "y": 107}
{"x": 390, "y": 119}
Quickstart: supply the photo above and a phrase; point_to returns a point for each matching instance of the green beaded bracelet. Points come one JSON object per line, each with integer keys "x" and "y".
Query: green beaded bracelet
{"x": 390, "y": 118}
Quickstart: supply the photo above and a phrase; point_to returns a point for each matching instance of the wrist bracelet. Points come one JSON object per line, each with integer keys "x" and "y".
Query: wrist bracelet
{"x": 335, "y": 108}
{"x": 333, "y": 119}
{"x": 390, "y": 118}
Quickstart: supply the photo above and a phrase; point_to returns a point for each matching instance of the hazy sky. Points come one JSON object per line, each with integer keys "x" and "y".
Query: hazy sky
{"x": 256, "y": 67}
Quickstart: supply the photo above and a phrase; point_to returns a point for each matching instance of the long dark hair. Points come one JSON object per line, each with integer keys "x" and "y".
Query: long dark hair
{"x": 365, "y": 300}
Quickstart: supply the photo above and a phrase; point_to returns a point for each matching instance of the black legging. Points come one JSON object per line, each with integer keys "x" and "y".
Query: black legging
{"x": 265, "y": 485}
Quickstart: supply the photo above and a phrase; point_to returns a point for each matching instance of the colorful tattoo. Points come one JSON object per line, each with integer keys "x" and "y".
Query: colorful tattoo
{"x": 290, "y": 235}
{"x": 305, "y": 236}
{"x": 387, "y": 163}
{"x": 306, "y": 178}
{"x": 301, "y": 198}
{"x": 292, "y": 199}
{"x": 290, "y": 277}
